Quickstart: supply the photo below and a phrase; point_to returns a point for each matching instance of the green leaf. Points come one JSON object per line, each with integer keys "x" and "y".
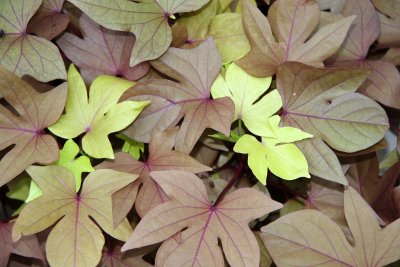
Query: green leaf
{"x": 67, "y": 160}
{"x": 245, "y": 90}
{"x": 23, "y": 53}
{"x": 148, "y": 20}
{"x": 284, "y": 160}
{"x": 98, "y": 116}
{"x": 232, "y": 44}
{"x": 233, "y": 137}
{"x": 131, "y": 146}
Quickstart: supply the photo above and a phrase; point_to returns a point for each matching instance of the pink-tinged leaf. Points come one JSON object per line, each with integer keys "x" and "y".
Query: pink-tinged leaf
{"x": 148, "y": 20}
{"x": 289, "y": 35}
{"x": 114, "y": 258}
{"x": 76, "y": 240}
{"x": 309, "y": 238}
{"x": 26, "y": 247}
{"x": 390, "y": 22}
{"x": 25, "y": 130}
{"x": 23, "y": 53}
{"x": 49, "y": 21}
{"x": 101, "y": 52}
{"x": 195, "y": 69}
{"x": 322, "y": 102}
{"x": 161, "y": 157}
{"x": 393, "y": 55}
{"x": 190, "y": 208}
{"x": 383, "y": 84}
{"x": 335, "y": 6}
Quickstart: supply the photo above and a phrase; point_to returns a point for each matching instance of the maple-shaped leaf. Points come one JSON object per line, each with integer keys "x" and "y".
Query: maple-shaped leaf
{"x": 75, "y": 240}
{"x": 148, "y": 20}
{"x": 383, "y": 84}
{"x": 113, "y": 257}
{"x": 190, "y": 208}
{"x": 322, "y": 102}
{"x": 49, "y": 20}
{"x": 97, "y": 116}
{"x": 161, "y": 157}
{"x": 67, "y": 160}
{"x": 273, "y": 150}
{"x": 245, "y": 90}
{"x": 101, "y": 52}
{"x": 28, "y": 246}
{"x": 196, "y": 70}
{"x": 25, "y": 129}
{"x": 23, "y": 53}
{"x": 287, "y": 36}
{"x": 310, "y": 238}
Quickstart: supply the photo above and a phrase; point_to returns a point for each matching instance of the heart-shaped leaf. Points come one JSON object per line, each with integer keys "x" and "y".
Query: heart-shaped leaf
{"x": 23, "y": 53}
{"x": 190, "y": 208}
{"x": 25, "y": 129}
{"x": 75, "y": 240}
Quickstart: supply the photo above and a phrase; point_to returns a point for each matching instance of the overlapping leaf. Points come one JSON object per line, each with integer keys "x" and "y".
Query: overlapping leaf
{"x": 196, "y": 70}
{"x": 389, "y": 21}
{"x": 25, "y": 129}
{"x": 161, "y": 157}
{"x": 287, "y": 36}
{"x": 75, "y": 240}
{"x": 67, "y": 159}
{"x": 383, "y": 84}
{"x": 49, "y": 20}
{"x": 98, "y": 116}
{"x": 190, "y": 207}
{"x": 322, "y": 102}
{"x": 101, "y": 52}
{"x": 273, "y": 150}
{"x": 245, "y": 90}
{"x": 309, "y": 238}
{"x": 148, "y": 20}
{"x": 114, "y": 258}
{"x": 27, "y": 246}
{"x": 23, "y": 53}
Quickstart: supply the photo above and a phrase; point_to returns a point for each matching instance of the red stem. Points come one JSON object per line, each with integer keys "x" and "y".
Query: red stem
{"x": 234, "y": 179}
{"x": 9, "y": 219}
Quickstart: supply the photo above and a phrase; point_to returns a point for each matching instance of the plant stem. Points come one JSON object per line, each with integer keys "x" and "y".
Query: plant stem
{"x": 240, "y": 128}
{"x": 234, "y": 179}
{"x": 9, "y": 219}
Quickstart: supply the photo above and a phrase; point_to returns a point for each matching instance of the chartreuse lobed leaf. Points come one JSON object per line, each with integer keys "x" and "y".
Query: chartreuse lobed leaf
{"x": 148, "y": 20}
{"x": 273, "y": 153}
{"x": 131, "y": 146}
{"x": 22, "y": 53}
{"x": 245, "y": 90}
{"x": 97, "y": 116}
{"x": 25, "y": 129}
{"x": 75, "y": 240}
{"x": 310, "y": 238}
{"x": 67, "y": 160}
{"x": 189, "y": 208}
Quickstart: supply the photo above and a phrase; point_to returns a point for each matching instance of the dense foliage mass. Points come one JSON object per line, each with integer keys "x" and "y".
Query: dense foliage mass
{"x": 199, "y": 133}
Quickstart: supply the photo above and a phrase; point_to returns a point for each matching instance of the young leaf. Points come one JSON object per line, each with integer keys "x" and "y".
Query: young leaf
{"x": 131, "y": 146}
{"x": 190, "y": 208}
{"x": 28, "y": 246}
{"x": 101, "y": 52}
{"x": 75, "y": 240}
{"x": 97, "y": 117}
{"x": 25, "y": 129}
{"x": 67, "y": 160}
{"x": 148, "y": 20}
{"x": 245, "y": 90}
{"x": 292, "y": 22}
{"x": 383, "y": 84}
{"x": 49, "y": 20}
{"x": 284, "y": 160}
{"x": 23, "y": 53}
{"x": 196, "y": 70}
{"x": 322, "y": 102}
{"x": 309, "y": 238}
{"x": 161, "y": 157}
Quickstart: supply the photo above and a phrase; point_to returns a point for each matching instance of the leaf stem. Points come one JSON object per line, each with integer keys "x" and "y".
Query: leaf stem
{"x": 234, "y": 179}
{"x": 240, "y": 128}
{"x": 9, "y": 219}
